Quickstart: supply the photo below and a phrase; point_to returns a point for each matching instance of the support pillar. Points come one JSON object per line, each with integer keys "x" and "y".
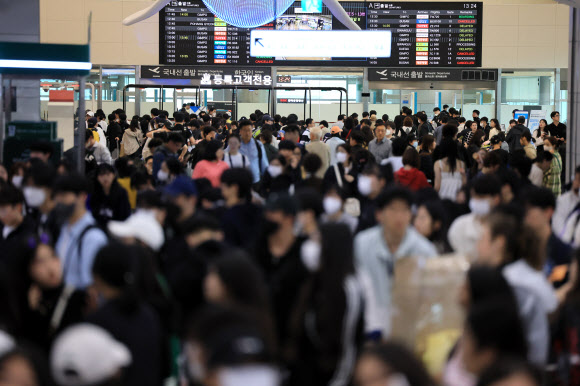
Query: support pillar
{"x": 573, "y": 142}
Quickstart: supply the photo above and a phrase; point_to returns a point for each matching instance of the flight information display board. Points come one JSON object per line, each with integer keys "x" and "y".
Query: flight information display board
{"x": 437, "y": 34}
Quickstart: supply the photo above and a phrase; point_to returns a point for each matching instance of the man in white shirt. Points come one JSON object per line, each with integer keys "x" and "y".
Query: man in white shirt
{"x": 466, "y": 230}
{"x": 566, "y": 203}
{"x": 340, "y": 121}
{"x": 377, "y": 249}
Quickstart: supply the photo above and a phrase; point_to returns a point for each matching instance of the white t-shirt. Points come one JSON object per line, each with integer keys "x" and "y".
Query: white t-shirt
{"x": 237, "y": 161}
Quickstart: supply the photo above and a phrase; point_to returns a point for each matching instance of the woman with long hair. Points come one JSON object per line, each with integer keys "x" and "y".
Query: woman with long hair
{"x": 212, "y": 165}
{"x": 449, "y": 171}
{"x": 426, "y": 157}
{"x": 133, "y": 140}
{"x": 495, "y": 128}
{"x": 552, "y": 178}
{"x": 540, "y": 134}
{"x": 326, "y": 326}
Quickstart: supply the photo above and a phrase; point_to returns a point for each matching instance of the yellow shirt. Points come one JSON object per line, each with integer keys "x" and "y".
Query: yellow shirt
{"x": 132, "y": 193}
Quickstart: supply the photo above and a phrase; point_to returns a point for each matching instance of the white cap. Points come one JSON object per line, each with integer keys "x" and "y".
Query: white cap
{"x": 86, "y": 354}
{"x": 141, "y": 225}
{"x": 90, "y": 113}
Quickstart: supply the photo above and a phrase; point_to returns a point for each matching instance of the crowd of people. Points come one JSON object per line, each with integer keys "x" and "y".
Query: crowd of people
{"x": 209, "y": 251}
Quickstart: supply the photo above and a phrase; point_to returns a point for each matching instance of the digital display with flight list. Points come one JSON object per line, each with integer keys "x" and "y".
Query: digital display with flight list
{"x": 424, "y": 34}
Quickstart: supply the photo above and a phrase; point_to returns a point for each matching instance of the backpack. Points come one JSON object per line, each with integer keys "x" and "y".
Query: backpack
{"x": 79, "y": 242}
{"x": 259, "y": 156}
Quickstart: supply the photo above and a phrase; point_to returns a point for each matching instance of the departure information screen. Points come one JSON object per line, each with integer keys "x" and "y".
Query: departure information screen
{"x": 437, "y": 34}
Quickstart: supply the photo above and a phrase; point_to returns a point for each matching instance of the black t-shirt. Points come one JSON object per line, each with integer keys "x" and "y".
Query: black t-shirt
{"x": 558, "y": 131}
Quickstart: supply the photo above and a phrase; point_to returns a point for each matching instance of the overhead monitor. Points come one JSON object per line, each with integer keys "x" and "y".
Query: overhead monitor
{"x": 423, "y": 34}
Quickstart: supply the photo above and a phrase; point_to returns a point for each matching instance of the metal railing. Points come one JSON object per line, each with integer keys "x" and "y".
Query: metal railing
{"x": 271, "y": 104}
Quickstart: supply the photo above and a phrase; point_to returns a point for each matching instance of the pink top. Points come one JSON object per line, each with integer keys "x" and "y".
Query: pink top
{"x": 210, "y": 170}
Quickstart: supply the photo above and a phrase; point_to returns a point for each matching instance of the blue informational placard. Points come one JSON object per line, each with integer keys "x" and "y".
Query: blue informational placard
{"x": 312, "y": 6}
{"x": 522, "y": 113}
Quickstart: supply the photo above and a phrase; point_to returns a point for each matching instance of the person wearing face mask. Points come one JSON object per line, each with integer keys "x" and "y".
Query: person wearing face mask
{"x": 37, "y": 191}
{"x": 275, "y": 179}
{"x": 168, "y": 150}
{"x": 80, "y": 238}
{"x": 378, "y": 248}
{"x": 465, "y": 230}
{"x": 334, "y": 209}
{"x": 380, "y": 147}
{"x": 323, "y": 353}
{"x": 566, "y": 204}
{"x": 17, "y": 174}
{"x": 278, "y": 255}
{"x": 370, "y": 183}
{"x": 342, "y": 173}
{"x": 333, "y": 143}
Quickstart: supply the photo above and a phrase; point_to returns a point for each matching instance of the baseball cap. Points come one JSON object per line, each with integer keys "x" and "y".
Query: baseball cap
{"x": 181, "y": 185}
{"x": 90, "y": 113}
{"x": 86, "y": 354}
{"x": 143, "y": 226}
{"x": 335, "y": 130}
{"x": 267, "y": 118}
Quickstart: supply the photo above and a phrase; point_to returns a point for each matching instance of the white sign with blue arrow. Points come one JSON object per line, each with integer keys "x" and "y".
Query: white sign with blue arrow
{"x": 316, "y": 44}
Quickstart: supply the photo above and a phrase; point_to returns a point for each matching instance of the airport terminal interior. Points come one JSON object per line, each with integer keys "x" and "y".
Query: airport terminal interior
{"x": 289, "y": 193}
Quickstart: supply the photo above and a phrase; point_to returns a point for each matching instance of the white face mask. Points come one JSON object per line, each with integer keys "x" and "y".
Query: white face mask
{"x": 365, "y": 185}
{"x": 310, "y": 254}
{"x": 17, "y": 181}
{"x": 546, "y": 148}
{"x": 389, "y": 132}
{"x": 162, "y": 175}
{"x": 34, "y": 196}
{"x": 479, "y": 207}
{"x": 331, "y": 205}
{"x": 415, "y": 144}
{"x": 341, "y": 157}
{"x": 274, "y": 170}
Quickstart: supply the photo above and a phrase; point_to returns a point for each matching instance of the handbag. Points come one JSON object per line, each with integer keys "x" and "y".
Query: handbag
{"x": 351, "y": 205}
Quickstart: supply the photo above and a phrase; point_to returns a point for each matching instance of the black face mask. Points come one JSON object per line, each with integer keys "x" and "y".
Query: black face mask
{"x": 270, "y": 227}
{"x": 63, "y": 212}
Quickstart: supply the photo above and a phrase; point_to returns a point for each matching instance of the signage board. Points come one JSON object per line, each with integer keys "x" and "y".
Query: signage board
{"x": 424, "y": 34}
{"x": 214, "y": 76}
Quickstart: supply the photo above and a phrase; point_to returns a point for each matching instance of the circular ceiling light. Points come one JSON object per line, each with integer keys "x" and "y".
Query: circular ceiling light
{"x": 248, "y": 13}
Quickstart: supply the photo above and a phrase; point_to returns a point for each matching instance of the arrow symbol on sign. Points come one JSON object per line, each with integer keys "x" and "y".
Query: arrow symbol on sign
{"x": 258, "y": 40}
